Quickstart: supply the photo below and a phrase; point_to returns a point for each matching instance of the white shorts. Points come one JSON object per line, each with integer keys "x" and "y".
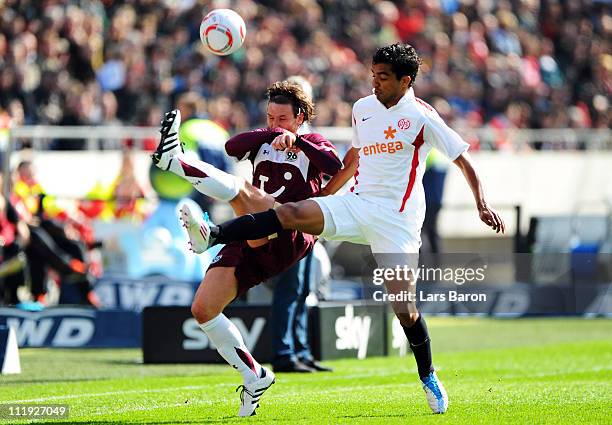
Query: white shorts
{"x": 351, "y": 218}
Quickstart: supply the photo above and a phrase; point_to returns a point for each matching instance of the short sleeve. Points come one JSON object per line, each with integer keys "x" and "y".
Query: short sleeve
{"x": 442, "y": 137}
{"x": 355, "y": 137}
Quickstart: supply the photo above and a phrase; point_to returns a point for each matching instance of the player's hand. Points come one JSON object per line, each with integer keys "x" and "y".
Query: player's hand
{"x": 284, "y": 141}
{"x": 491, "y": 218}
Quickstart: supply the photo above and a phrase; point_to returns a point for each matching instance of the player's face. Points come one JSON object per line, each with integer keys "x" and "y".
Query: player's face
{"x": 387, "y": 88}
{"x": 281, "y": 115}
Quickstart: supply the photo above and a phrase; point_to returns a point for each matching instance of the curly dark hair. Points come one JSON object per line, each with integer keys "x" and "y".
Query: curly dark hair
{"x": 285, "y": 93}
{"x": 403, "y": 59}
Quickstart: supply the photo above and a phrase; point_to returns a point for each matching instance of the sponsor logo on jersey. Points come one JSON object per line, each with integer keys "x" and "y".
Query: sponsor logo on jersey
{"x": 403, "y": 124}
{"x": 217, "y": 258}
{"x": 390, "y": 133}
{"x": 291, "y": 156}
{"x": 378, "y": 148}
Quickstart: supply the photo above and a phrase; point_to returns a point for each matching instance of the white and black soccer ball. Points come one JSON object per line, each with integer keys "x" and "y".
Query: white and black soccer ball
{"x": 222, "y": 32}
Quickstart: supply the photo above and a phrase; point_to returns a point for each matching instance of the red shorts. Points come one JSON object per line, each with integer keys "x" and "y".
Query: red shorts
{"x": 255, "y": 265}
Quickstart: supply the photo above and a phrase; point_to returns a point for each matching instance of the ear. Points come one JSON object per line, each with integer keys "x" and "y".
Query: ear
{"x": 405, "y": 82}
{"x": 300, "y": 118}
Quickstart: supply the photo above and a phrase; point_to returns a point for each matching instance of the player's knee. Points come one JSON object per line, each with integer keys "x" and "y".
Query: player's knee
{"x": 288, "y": 214}
{"x": 203, "y": 312}
{"x": 246, "y": 191}
{"x": 407, "y": 319}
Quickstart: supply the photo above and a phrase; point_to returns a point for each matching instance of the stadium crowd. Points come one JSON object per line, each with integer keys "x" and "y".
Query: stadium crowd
{"x": 505, "y": 64}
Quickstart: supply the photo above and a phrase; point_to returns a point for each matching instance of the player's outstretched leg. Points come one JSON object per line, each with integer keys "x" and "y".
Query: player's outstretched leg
{"x": 204, "y": 177}
{"x": 198, "y": 229}
{"x": 217, "y": 290}
{"x": 169, "y": 143}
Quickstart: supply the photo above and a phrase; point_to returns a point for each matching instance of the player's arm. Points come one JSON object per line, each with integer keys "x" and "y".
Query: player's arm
{"x": 321, "y": 153}
{"x": 351, "y": 161}
{"x": 487, "y": 214}
{"x": 246, "y": 144}
{"x": 447, "y": 141}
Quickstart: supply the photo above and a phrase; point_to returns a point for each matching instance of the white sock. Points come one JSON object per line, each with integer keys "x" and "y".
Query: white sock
{"x": 226, "y": 337}
{"x": 206, "y": 178}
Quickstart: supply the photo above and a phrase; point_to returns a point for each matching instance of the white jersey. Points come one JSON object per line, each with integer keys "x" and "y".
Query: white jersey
{"x": 394, "y": 144}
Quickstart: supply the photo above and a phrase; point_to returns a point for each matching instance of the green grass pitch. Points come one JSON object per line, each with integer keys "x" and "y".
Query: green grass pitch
{"x": 522, "y": 371}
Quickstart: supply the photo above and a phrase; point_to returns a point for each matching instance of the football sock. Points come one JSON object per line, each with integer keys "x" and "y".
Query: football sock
{"x": 418, "y": 337}
{"x": 226, "y": 337}
{"x": 247, "y": 227}
{"x": 206, "y": 178}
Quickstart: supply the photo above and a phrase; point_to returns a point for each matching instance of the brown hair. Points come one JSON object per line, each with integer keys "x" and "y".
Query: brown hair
{"x": 285, "y": 93}
{"x": 193, "y": 101}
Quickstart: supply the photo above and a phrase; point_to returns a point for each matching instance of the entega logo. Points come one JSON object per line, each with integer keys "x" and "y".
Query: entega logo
{"x": 390, "y": 147}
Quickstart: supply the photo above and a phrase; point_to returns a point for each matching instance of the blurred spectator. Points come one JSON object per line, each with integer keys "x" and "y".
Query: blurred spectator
{"x": 127, "y": 192}
{"x": 14, "y": 235}
{"x": 58, "y": 58}
{"x": 59, "y": 241}
{"x": 149, "y": 117}
{"x": 5, "y": 122}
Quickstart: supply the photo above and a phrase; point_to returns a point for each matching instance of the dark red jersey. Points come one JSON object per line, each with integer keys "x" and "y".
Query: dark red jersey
{"x": 288, "y": 175}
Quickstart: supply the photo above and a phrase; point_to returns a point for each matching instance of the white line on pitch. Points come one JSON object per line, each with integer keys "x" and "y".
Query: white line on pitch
{"x": 156, "y": 390}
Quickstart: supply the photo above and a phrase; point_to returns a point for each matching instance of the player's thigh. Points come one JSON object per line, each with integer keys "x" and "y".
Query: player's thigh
{"x": 340, "y": 217}
{"x": 395, "y": 245}
{"x": 305, "y": 216}
{"x": 218, "y": 288}
{"x": 391, "y": 232}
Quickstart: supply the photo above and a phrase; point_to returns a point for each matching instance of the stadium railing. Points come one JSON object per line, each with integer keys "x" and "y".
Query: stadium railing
{"x": 112, "y": 137}
{"x": 558, "y": 137}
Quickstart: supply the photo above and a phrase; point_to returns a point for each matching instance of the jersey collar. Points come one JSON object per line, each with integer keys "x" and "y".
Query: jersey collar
{"x": 406, "y": 98}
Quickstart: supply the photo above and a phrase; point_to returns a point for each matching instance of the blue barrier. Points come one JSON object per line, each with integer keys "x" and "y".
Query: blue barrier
{"x": 74, "y": 327}
{"x": 123, "y": 293}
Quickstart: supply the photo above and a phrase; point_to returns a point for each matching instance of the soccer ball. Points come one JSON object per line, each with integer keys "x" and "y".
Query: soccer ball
{"x": 222, "y": 31}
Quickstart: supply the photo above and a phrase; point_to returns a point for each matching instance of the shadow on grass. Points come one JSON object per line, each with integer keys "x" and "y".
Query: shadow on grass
{"x": 176, "y": 421}
{"x": 49, "y": 380}
{"x": 123, "y": 362}
{"x": 363, "y": 416}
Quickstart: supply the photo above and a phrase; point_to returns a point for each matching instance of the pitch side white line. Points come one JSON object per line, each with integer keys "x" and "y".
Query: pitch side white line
{"x": 142, "y": 391}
